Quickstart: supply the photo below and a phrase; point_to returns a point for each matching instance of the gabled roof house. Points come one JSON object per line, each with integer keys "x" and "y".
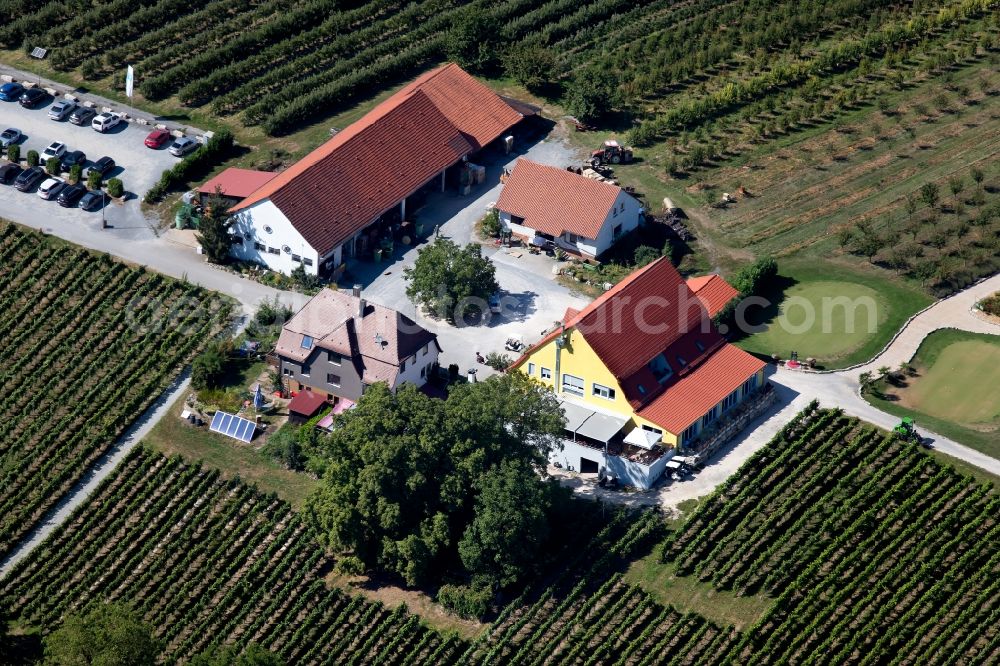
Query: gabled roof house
{"x": 315, "y": 213}
{"x": 542, "y": 203}
{"x": 642, "y": 372}
{"x": 339, "y": 343}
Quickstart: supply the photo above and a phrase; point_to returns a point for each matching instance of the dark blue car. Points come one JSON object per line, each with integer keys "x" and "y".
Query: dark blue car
{"x": 9, "y": 92}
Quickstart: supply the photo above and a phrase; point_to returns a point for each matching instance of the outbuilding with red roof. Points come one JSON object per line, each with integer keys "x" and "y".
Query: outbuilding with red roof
{"x": 327, "y": 206}
{"x": 581, "y": 215}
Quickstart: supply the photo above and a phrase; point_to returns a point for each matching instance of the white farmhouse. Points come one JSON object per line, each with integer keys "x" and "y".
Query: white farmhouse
{"x": 582, "y": 216}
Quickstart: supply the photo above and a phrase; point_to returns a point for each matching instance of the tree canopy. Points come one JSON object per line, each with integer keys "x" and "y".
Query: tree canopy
{"x": 450, "y": 280}
{"x": 592, "y": 94}
{"x": 418, "y": 486}
{"x": 214, "y": 229}
{"x": 102, "y": 635}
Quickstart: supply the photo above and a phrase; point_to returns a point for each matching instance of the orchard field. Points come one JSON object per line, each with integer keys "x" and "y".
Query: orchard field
{"x": 205, "y": 559}
{"x": 88, "y": 343}
{"x": 871, "y": 551}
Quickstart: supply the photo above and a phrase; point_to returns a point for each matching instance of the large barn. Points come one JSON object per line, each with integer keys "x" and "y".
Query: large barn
{"x": 330, "y": 205}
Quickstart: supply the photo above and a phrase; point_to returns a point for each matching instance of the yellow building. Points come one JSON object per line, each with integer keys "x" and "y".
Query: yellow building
{"x": 642, "y": 373}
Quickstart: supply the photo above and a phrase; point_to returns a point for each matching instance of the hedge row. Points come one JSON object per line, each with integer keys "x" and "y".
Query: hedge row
{"x": 214, "y": 151}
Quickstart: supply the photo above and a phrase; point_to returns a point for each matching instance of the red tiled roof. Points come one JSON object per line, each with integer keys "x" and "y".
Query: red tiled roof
{"x": 554, "y": 201}
{"x": 478, "y": 112}
{"x": 713, "y": 292}
{"x": 238, "y": 183}
{"x": 693, "y": 395}
{"x": 306, "y": 403}
{"x": 342, "y": 186}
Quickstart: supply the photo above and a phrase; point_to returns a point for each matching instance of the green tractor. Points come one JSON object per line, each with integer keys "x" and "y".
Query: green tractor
{"x": 908, "y": 432}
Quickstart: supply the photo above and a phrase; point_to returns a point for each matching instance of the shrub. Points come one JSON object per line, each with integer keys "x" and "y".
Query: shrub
{"x": 94, "y": 179}
{"x": 991, "y": 304}
{"x": 115, "y": 187}
{"x": 753, "y": 279}
{"x": 32, "y": 158}
{"x": 498, "y": 361}
{"x": 491, "y": 224}
{"x": 644, "y": 254}
{"x": 273, "y": 312}
{"x": 14, "y": 152}
{"x": 350, "y": 566}
{"x": 195, "y": 164}
{"x": 52, "y": 166}
{"x": 465, "y": 601}
{"x": 75, "y": 173}
{"x": 209, "y": 367}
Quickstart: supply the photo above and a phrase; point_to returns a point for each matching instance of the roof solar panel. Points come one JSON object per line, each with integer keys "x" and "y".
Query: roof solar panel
{"x": 233, "y": 426}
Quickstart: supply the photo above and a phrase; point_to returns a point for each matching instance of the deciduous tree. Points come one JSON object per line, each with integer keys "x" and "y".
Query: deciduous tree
{"x": 104, "y": 634}
{"x": 215, "y": 238}
{"x": 450, "y": 280}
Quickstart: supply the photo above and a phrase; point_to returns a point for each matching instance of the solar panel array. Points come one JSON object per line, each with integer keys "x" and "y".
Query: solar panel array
{"x": 233, "y": 426}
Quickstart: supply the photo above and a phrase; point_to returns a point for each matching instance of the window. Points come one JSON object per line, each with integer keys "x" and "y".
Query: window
{"x": 660, "y": 368}
{"x": 614, "y": 212}
{"x": 307, "y": 261}
{"x": 287, "y": 372}
{"x": 307, "y": 342}
{"x": 603, "y": 391}
{"x": 682, "y": 361}
{"x": 546, "y": 373}
{"x": 305, "y": 370}
{"x": 514, "y": 219}
{"x": 296, "y": 258}
{"x": 571, "y": 384}
{"x": 642, "y": 389}
{"x": 531, "y": 369}
{"x": 730, "y": 400}
{"x": 749, "y": 385}
{"x": 332, "y": 379}
{"x": 423, "y": 372}
{"x": 236, "y": 239}
{"x": 572, "y": 238}
{"x": 427, "y": 347}
{"x": 690, "y": 433}
{"x": 334, "y": 357}
{"x": 701, "y": 347}
{"x": 273, "y": 250}
{"x": 616, "y": 232}
{"x": 650, "y": 428}
{"x": 260, "y": 247}
{"x": 709, "y": 417}
{"x": 622, "y": 207}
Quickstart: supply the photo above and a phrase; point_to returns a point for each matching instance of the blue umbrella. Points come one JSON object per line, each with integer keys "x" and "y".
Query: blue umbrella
{"x": 258, "y": 398}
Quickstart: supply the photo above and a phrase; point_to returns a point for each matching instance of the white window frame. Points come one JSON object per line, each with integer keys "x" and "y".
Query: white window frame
{"x": 602, "y": 391}
{"x": 573, "y": 388}
{"x": 531, "y": 369}
{"x": 546, "y": 373}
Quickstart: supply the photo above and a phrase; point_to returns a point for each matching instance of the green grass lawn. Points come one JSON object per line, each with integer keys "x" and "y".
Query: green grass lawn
{"x": 954, "y": 390}
{"x": 833, "y": 313}
{"x": 688, "y": 594}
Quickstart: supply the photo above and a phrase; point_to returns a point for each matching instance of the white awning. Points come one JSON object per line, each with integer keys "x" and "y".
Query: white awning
{"x": 588, "y": 423}
{"x": 644, "y": 439}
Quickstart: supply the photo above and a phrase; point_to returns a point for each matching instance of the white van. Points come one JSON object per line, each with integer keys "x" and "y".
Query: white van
{"x": 102, "y": 122}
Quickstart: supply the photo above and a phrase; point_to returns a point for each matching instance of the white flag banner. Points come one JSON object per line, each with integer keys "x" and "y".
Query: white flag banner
{"x": 129, "y": 76}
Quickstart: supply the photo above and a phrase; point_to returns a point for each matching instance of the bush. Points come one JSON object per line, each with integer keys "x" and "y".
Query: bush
{"x": 306, "y": 281}
{"x": 75, "y": 173}
{"x": 94, "y": 180}
{"x": 491, "y": 224}
{"x": 991, "y": 304}
{"x": 194, "y": 165}
{"x": 498, "y": 361}
{"x": 14, "y": 152}
{"x": 645, "y": 254}
{"x": 752, "y": 280}
{"x": 115, "y": 188}
{"x": 465, "y": 601}
{"x": 32, "y": 158}
{"x": 350, "y": 566}
{"x": 272, "y": 312}
{"x": 209, "y": 368}
{"x": 52, "y": 166}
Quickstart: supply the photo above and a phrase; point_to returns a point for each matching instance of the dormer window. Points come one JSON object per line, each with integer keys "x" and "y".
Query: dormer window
{"x": 701, "y": 347}
{"x": 660, "y": 368}
{"x": 307, "y": 342}
{"x": 682, "y": 361}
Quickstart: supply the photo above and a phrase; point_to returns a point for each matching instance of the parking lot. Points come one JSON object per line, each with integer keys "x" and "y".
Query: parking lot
{"x": 138, "y": 167}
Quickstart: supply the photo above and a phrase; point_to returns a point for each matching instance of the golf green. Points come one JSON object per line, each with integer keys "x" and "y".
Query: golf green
{"x": 824, "y": 319}
{"x": 957, "y": 385}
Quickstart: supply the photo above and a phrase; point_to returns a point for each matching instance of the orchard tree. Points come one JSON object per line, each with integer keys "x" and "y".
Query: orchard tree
{"x": 102, "y": 634}
{"x": 533, "y": 66}
{"x": 929, "y": 194}
{"x": 472, "y": 41}
{"x": 592, "y": 94}
{"x": 448, "y": 279}
{"x": 215, "y": 238}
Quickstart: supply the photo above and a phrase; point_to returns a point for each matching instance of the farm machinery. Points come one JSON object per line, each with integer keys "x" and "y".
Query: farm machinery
{"x": 907, "y": 431}
{"x": 611, "y": 152}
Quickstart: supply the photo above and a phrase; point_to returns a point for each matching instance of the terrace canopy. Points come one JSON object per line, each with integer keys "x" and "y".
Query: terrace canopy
{"x": 591, "y": 424}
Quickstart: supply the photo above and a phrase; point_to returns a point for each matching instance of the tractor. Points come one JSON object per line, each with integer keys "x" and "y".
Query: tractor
{"x": 907, "y": 431}
{"x": 611, "y": 153}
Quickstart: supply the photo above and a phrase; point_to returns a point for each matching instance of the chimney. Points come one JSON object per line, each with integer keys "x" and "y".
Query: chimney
{"x": 356, "y": 292}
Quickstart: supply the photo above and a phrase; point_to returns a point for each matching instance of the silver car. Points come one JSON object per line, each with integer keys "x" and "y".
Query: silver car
{"x": 183, "y": 146}
{"x": 9, "y": 136}
{"x": 61, "y": 109}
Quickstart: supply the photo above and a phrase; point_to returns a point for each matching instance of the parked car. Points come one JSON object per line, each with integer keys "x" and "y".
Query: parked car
{"x": 157, "y": 138}
{"x": 102, "y": 166}
{"x": 9, "y": 136}
{"x": 102, "y": 122}
{"x": 82, "y": 115}
{"x": 9, "y": 172}
{"x": 32, "y": 97}
{"x": 92, "y": 200}
{"x": 51, "y": 188}
{"x": 61, "y": 109}
{"x": 54, "y": 149}
{"x": 72, "y": 158}
{"x": 28, "y": 178}
{"x": 183, "y": 146}
{"x": 10, "y": 92}
{"x": 71, "y": 195}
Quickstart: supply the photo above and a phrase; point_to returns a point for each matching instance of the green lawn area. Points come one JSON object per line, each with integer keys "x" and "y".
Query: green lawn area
{"x": 687, "y": 593}
{"x": 833, "y": 313}
{"x": 954, "y": 389}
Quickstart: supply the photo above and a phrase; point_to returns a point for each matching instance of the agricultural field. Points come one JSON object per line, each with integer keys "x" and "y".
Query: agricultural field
{"x": 869, "y": 550}
{"x": 205, "y": 559}
{"x": 944, "y": 388}
{"x": 89, "y": 343}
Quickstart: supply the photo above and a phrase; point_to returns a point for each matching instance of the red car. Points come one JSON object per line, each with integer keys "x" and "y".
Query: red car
{"x": 157, "y": 139}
